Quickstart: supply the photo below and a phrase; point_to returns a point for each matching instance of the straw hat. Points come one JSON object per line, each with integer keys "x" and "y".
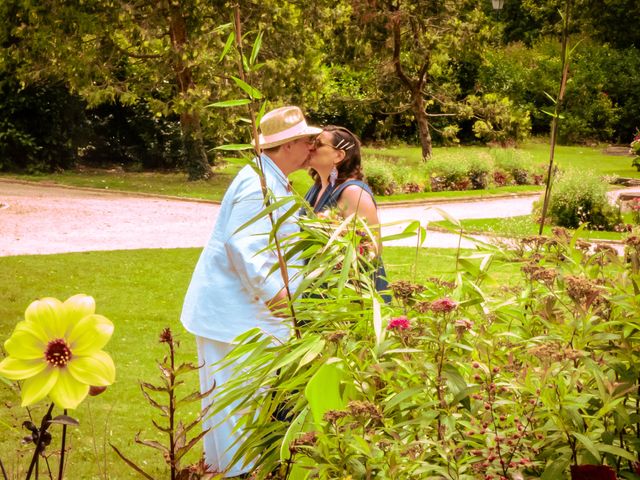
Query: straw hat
{"x": 283, "y": 125}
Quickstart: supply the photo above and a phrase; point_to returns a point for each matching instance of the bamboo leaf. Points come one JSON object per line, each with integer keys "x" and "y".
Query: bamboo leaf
{"x": 253, "y": 93}
{"x": 230, "y": 103}
{"x": 256, "y": 49}
{"x": 227, "y": 46}
{"x": 234, "y": 147}
{"x": 312, "y": 353}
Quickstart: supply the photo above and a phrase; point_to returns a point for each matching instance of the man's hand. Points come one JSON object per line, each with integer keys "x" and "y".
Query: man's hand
{"x": 278, "y": 304}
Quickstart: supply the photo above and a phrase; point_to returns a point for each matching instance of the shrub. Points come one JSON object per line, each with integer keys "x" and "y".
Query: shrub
{"x": 407, "y": 179}
{"x": 132, "y": 136}
{"x": 41, "y": 126}
{"x": 379, "y": 177}
{"x": 447, "y": 174}
{"x": 478, "y": 171}
{"x": 581, "y": 197}
{"x": 517, "y": 164}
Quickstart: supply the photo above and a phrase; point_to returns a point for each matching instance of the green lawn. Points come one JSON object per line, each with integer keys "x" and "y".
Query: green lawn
{"x": 141, "y": 291}
{"x": 579, "y": 157}
{"x": 520, "y": 226}
{"x": 176, "y": 184}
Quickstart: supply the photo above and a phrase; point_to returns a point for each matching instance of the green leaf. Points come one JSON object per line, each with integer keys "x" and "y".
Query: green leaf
{"x": 248, "y": 89}
{"x": 230, "y": 103}
{"x": 312, "y": 353}
{"x": 617, "y": 451}
{"x": 256, "y": 49}
{"x": 377, "y": 322}
{"x": 227, "y": 46}
{"x": 588, "y": 444}
{"x": 556, "y": 469}
{"x": 234, "y": 147}
{"x": 323, "y": 391}
{"x": 294, "y": 428}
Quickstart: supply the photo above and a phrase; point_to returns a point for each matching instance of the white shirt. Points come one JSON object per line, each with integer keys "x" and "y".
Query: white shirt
{"x": 231, "y": 281}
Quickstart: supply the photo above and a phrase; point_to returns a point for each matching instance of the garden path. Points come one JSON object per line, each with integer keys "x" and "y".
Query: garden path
{"x": 46, "y": 219}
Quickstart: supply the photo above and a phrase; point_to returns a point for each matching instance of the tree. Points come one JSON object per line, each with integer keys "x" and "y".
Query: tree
{"x": 416, "y": 43}
{"x": 157, "y": 52}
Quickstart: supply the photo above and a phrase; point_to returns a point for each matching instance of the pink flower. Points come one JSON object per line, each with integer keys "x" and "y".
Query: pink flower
{"x": 443, "y": 305}
{"x": 399, "y": 323}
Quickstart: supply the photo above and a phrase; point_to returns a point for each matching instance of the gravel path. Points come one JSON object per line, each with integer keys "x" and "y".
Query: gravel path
{"x": 44, "y": 219}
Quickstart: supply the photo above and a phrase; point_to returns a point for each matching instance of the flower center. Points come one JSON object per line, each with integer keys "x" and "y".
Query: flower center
{"x": 57, "y": 353}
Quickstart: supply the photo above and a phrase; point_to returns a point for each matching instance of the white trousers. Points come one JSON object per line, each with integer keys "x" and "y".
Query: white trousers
{"x": 221, "y": 441}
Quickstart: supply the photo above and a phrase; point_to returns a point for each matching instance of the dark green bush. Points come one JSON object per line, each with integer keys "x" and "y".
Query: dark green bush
{"x": 602, "y": 100}
{"x": 41, "y": 126}
{"x": 132, "y": 136}
{"x": 581, "y": 197}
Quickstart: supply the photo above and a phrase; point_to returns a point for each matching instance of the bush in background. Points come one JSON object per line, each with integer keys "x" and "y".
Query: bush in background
{"x": 41, "y": 126}
{"x": 379, "y": 177}
{"x": 579, "y": 197}
{"x": 130, "y": 135}
{"x": 453, "y": 170}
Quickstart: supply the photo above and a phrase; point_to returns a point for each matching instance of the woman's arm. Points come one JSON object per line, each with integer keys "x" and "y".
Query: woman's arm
{"x": 354, "y": 199}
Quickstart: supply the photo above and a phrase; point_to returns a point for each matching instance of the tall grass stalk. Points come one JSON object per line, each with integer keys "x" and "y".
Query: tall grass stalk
{"x": 557, "y": 109}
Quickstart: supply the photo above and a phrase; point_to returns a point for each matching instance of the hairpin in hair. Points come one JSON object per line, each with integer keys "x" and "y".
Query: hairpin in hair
{"x": 344, "y": 144}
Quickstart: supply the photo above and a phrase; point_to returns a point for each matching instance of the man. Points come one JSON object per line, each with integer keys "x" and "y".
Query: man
{"x": 231, "y": 290}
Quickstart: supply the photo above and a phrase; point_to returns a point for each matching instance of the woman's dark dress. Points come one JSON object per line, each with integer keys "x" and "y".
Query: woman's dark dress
{"x": 329, "y": 199}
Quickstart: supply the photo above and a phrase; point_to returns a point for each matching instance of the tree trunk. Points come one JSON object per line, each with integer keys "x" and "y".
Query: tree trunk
{"x": 196, "y": 156}
{"x": 419, "y": 111}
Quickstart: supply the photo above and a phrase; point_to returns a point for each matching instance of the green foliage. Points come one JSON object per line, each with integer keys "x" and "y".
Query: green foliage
{"x": 601, "y": 99}
{"x": 41, "y": 126}
{"x": 452, "y": 380}
{"x": 130, "y": 135}
{"x": 579, "y": 197}
{"x": 498, "y": 119}
{"x": 379, "y": 177}
{"x": 179, "y": 439}
{"x": 520, "y": 167}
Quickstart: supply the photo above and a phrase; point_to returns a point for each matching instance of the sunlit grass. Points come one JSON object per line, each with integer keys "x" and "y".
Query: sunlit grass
{"x": 176, "y": 184}
{"x": 521, "y": 226}
{"x": 141, "y": 291}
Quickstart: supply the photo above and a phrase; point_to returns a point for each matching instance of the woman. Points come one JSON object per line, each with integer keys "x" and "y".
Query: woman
{"x": 336, "y": 168}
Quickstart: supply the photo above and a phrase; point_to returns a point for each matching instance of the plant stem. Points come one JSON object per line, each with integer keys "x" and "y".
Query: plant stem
{"x": 4, "y": 472}
{"x": 63, "y": 445}
{"x": 556, "y": 113}
{"x": 44, "y": 425}
{"x": 172, "y": 453}
{"x": 254, "y": 127}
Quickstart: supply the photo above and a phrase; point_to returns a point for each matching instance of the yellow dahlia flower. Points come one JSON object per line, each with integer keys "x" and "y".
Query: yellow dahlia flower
{"x": 57, "y": 351}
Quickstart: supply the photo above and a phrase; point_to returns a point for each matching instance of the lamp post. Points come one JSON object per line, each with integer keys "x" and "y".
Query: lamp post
{"x": 497, "y": 6}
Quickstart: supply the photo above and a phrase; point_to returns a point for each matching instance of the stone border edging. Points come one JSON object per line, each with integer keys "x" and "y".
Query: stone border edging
{"x": 109, "y": 191}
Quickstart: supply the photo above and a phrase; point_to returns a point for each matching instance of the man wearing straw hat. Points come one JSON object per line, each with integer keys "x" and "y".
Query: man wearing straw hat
{"x": 231, "y": 290}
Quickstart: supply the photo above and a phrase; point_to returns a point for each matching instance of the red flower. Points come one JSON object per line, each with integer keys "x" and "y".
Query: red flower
{"x": 443, "y": 305}
{"x": 399, "y": 323}
{"x": 592, "y": 472}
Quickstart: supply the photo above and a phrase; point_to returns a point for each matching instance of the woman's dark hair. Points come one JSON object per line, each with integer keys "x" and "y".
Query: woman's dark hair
{"x": 351, "y": 165}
